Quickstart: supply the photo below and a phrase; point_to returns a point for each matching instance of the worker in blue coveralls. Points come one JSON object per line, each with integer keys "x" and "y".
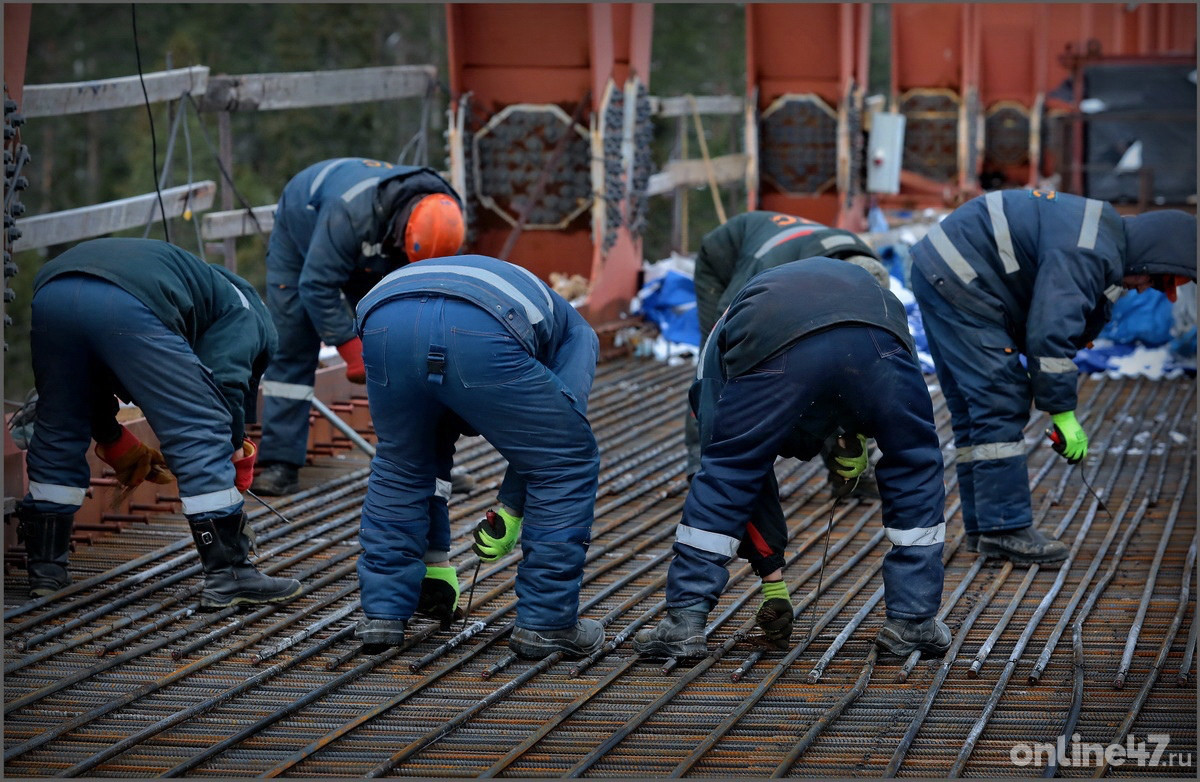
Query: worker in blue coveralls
{"x": 186, "y": 342}
{"x": 474, "y": 344}
{"x": 782, "y": 371}
{"x": 753, "y": 242}
{"x": 340, "y": 226}
{"x": 1033, "y": 274}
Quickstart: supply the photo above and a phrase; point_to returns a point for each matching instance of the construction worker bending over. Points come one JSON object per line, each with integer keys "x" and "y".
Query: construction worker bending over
{"x": 186, "y": 342}
{"x": 749, "y": 243}
{"x": 1028, "y": 273}
{"x": 474, "y": 342}
{"x": 340, "y": 226}
{"x": 783, "y": 371}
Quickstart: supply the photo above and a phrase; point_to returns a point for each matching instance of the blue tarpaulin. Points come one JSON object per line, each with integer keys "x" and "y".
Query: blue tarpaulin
{"x": 670, "y": 302}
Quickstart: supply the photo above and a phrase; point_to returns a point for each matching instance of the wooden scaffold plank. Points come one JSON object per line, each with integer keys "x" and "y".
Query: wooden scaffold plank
{"x": 73, "y": 225}
{"x": 53, "y": 100}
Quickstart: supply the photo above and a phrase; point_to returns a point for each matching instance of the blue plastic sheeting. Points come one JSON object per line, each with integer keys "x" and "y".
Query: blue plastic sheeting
{"x": 670, "y": 302}
{"x": 1140, "y": 318}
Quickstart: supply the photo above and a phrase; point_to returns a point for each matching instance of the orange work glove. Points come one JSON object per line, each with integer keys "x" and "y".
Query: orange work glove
{"x": 133, "y": 462}
{"x": 243, "y": 463}
{"x": 351, "y": 353}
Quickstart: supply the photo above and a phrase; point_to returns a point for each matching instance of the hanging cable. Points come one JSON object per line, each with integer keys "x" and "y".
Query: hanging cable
{"x": 137, "y": 52}
{"x": 228, "y": 178}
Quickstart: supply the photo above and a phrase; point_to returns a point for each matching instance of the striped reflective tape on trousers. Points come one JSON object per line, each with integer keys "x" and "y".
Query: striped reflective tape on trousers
{"x": 532, "y": 313}
{"x": 1090, "y": 228}
{"x": 52, "y": 492}
{"x": 921, "y": 536}
{"x": 1113, "y": 292}
{"x": 213, "y": 500}
{"x": 286, "y": 390}
{"x": 989, "y": 451}
{"x": 1055, "y": 366}
{"x": 950, "y": 254}
{"x": 713, "y": 542}
{"x": 441, "y": 489}
{"x": 1000, "y": 232}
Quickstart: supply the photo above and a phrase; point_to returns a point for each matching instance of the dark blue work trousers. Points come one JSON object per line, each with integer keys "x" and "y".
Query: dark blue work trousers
{"x": 90, "y": 338}
{"x": 988, "y": 394}
{"x": 287, "y": 384}
{"x": 860, "y": 378}
{"x": 490, "y": 381}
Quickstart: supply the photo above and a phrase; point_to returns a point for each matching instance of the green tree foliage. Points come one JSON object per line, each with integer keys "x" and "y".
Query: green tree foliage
{"x": 79, "y": 160}
{"x": 88, "y": 159}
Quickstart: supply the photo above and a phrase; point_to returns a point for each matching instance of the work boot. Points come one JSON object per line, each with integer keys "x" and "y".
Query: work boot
{"x": 379, "y": 634}
{"x": 902, "y": 637}
{"x": 439, "y": 595}
{"x": 972, "y": 542}
{"x": 461, "y": 481}
{"x": 774, "y": 618}
{"x": 47, "y": 539}
{"x": 229, "y": 578}
{"x": 584, "y": 638}
{"x": 1025, "y": 546}
{"x": 276, "y": 479}
{"x": 679, "y": 634}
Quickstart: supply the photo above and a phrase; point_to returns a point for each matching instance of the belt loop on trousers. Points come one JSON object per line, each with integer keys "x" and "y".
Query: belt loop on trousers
{"x": 435, "y": 363}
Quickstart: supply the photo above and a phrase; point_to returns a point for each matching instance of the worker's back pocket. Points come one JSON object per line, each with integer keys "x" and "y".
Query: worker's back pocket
{"x": 487, "y": 358}
{"x": 374, "y": 343}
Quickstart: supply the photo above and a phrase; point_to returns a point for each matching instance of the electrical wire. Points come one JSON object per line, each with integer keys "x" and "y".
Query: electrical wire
{"x": 221, "y": 167}
{"x": 137, "y": 52}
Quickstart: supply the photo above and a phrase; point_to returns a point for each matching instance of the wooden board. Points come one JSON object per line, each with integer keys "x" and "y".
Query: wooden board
{"x": 73, "y": 225}
{"x": 53, "y": 100}
{"x": 270, "y": 91}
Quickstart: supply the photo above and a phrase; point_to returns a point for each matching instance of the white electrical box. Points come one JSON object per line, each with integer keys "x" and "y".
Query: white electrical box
{"x": 885, "y": 149}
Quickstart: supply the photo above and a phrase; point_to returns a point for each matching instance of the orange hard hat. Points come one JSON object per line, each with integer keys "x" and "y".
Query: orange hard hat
{"x": 435, "y": 228}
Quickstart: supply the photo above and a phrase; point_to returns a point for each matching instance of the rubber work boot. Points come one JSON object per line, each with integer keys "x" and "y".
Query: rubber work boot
{"x": 972, "y": 542}
{"x": 439, "y": 595}
{"x": 379, "y": 634}
{"x": 276, "y": 479}
{"x": 229, "y": 578}
{"x": 774, "y": 618}
{"x": 902, "y": 637}
{"x": 584, "y": 638}
{"x": 679, "y": 634}
{"x": 461, "y": 481}
{"x": 1024, "y": 546}
{"x": 47, "y": 539}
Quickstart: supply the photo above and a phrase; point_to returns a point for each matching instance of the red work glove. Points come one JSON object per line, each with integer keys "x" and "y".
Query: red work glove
{"x": 243, "y": 464}
{"x": 133, "y": 461}
{"x": 351, "y": 353}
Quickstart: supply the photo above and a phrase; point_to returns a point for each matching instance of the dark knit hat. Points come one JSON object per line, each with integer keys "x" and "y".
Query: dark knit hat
{"x": 1162, "y": 242}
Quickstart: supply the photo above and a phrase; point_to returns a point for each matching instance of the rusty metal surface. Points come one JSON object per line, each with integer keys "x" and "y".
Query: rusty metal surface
{"x": 122, "y": 677}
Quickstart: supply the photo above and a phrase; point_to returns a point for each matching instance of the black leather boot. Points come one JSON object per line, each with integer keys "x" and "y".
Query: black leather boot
{"x": 679, "y": 634}
{"x": 277, "y": 479}
{"x": 229, "y": 578}
{"x": 47, "y": 539}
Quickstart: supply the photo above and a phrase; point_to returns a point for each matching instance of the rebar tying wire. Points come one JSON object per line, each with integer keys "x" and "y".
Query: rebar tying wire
{"x": 1065, "y": 566}
{"x": 1018, "y": 648}
{"x": 1159, "y": 659}
{"x": 1043, "y": 658}
{"x": 430, "y": 739}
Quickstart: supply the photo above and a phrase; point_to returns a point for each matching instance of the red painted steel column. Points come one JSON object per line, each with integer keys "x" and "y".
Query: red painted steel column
{"x": 550, "y": 53}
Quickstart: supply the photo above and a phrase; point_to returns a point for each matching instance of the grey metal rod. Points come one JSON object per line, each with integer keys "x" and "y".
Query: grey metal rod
{"x": 343, "y": 427}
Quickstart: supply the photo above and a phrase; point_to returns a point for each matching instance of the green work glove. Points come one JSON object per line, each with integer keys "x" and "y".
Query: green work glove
{"x": 496, "y": 534}
{"x": 1070, "y": 441}
{"x": 774, "y": 616}
{"x": 851, "y": 461}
